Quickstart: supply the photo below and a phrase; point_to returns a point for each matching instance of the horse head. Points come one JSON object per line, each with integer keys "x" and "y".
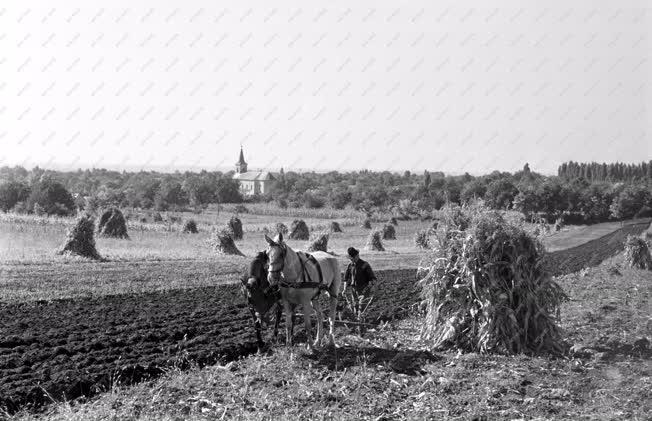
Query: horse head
{"x": 277, "y": 253}
{"x": 255, "y": 287}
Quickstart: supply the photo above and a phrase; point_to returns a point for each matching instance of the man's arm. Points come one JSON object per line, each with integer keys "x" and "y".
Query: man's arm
{"x": 347, "y": 278}
{"x": 371, "y": 276}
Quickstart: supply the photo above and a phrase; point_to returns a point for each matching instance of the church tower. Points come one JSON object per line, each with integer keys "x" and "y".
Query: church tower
{"x": 241, "y": 165}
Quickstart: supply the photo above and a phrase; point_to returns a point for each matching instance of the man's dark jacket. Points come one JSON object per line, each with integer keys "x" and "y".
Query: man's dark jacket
{"x": 359, "y": 274}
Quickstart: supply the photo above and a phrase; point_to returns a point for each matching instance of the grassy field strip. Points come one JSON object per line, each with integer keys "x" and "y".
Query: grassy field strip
{"x": 574, "y": 236}
{"x": 30, "y": 243}
{"x": 206, "y": 222}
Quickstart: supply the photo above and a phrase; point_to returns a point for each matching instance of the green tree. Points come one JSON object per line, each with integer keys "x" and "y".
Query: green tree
{"x": 500, "y": 194}
{"x": 11, "y": 193}
{"x": 474, "y": 189}
{"x": 52, "y": 197}
{"x": 227, "y": 190}
{"x": 629, "y": 201}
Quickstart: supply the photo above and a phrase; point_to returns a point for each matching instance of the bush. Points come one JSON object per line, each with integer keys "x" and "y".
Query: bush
{"x": 38, "y": 210}
{"x": 20, "y": 207}
{"x": 12, "y": 193}
{"x": 313, "y": 201}
{"x": 222, "y": 242}
{"x": 487, "y": 289}
{"x": 630, "y": 201}
{"x": 644, "y": 212}
{"x": 389, "y": 233}
{"x": 500, "y": 194}
{"x": 113, "y": 224}
{"x": 559, "y": 224}
{"x": 241, "y": 209}
{"x": 235, "y": 225}
{"x": 637, "y": 253}
{"x": 335, "y": 227}
{"x": 421, "y": 239}
{"x": 80, "y": 239}
{"x": 299, "y": 230}
{"x": 52, "y": 198}
{"x": 190, "y": 227}
{"x": 374, "y": 242}
{"x": 319, "y": 242}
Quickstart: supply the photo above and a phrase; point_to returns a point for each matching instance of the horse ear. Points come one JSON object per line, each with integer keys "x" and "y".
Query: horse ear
{"x": 269, "y": 241}
{"x": 279, "y": 239}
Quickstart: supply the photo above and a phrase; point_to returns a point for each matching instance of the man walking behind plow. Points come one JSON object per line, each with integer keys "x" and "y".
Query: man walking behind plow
{"x": 359, "y": 294}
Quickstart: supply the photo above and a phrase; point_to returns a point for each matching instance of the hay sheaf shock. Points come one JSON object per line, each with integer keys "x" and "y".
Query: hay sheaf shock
{"x": 235, "y": 227}
{"x": 80, "y": 239}
{"x": 486, "y": 288}
{"x": 374, "y": 242}
{"x": 319, "y": 242}
{"x": 299, "y": 230}
{"x": 113, "y": 224}
{"x": 637, "y": 253}
{"x": 222, "y": 242}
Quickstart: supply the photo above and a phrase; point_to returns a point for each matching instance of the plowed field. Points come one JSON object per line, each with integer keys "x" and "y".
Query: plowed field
{"x": 69, "y": 348}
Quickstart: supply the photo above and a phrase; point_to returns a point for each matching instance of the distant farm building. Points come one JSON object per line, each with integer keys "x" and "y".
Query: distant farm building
{"x": 252, "y": 182}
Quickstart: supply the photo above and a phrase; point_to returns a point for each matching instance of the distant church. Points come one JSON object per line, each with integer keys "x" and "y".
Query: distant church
{"x": 252, "y": 182}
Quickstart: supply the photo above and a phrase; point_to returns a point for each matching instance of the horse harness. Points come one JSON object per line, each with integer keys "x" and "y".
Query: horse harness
{"x": 305, "y": 283}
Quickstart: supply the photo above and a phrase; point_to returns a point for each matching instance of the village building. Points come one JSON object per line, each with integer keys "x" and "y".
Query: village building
{"x": 252, "y": 182}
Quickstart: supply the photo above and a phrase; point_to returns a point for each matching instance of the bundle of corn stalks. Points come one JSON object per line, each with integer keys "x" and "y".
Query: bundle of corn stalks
{"x": 421, "y": 239}
{"x": 222, "y": 242}
{"x": 366, "y": 224}
{"x": 335, "y": 227}
{"x": 389, "y": 233}
{"x": 487, "y": 290}
{"x": 80, "y": 239}
{"x": 637, "y": 253}
{"x": 113, "y": 224}
{"x": 235, "y": 226}
{"x": 393, "y": 220}
{"x": 299, "y": 230}
{"x": 319, "y": 242}
{"x": 374, "y": 241}
{"x": 190, "y": 227}
{"x": 281, "y": 228}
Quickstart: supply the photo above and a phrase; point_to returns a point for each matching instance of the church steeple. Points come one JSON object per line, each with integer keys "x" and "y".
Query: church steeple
{"x": 241, "y": 165}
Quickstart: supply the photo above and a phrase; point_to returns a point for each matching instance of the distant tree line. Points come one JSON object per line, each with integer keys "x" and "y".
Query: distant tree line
{"x": 594, "y": 171}
{"x": 570, "y": 195}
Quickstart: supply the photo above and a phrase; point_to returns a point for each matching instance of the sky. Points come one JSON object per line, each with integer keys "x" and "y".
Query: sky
{"x": 421, "y": 85}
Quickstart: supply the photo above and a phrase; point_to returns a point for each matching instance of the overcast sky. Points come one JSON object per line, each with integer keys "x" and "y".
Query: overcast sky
{"x": 447, "y": 86}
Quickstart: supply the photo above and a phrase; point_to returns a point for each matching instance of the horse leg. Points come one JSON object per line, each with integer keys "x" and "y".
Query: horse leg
{"x": 288, "y": 323}
{"x": 259, "y": 338}
{"x": 320, "y": 322}
{"x": 277, "y": 320}
{"x": 307, "y": 307}
{"x": 331, "y": 319}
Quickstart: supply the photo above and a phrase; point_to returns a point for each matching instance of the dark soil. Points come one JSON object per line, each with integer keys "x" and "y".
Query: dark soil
{"x": 72, "y": 348}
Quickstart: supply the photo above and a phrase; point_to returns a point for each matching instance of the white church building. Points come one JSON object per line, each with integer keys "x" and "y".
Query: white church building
{"x": 252, "y": 182}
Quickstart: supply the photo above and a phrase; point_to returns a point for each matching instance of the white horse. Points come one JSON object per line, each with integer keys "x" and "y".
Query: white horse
{"x": 304, "y": 276}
